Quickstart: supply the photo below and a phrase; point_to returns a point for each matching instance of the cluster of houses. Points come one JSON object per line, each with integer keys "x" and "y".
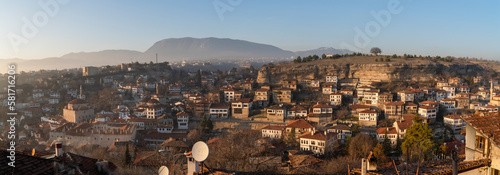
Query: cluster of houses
{"x": 326, "y": 115}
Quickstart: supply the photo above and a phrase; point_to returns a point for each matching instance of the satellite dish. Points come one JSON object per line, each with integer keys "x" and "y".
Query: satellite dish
{"x": 200, "y": 151}
{"x": 163, "y": 171}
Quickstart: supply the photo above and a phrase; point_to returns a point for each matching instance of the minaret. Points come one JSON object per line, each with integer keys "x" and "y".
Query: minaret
{"x": 156, "y": 87}
{"x": 80, "y": 97}
{"x": 493, "y": 82}
{"x": 491, "y": 90}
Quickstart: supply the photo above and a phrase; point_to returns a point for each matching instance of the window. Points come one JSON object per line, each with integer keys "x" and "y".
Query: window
{"x": 237, "y": 111}
{"x": 480, "y": 141}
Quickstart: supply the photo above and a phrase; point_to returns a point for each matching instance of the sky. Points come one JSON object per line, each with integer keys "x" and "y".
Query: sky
{"x": 35, "y": 29}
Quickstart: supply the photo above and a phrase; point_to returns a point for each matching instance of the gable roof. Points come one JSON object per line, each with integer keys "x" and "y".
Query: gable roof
{"x": 300, "y": 123}
{"x": 243, "y": 100}
{"x": 318, "y": 135}
{"x": 274, "y": 127}
{"x": 389, "y": 130}
{"x": 486, "y": 123}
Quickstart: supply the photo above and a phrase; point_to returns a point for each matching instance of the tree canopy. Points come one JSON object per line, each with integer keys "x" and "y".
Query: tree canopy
{"x": 418, "y": 140}
{"x": 375, "y": 50}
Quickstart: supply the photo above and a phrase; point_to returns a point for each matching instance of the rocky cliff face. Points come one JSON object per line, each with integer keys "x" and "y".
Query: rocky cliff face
{"x": 397, "y": 71}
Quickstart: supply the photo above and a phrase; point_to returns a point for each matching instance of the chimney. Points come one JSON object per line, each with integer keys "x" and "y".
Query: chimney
{"x": 59, "y": 150}
{"x": 313, "y": 131}
{"x": 364, "y": 165}
{"x": 387, "y": 129}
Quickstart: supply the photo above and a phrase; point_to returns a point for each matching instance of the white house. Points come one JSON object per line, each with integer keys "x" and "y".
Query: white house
{"x": 454, "y": 122}
{"x": 449, "y": 104}
{"x": 220, "y": 110}
{"x": 182, "y": 120}
{"x": 317, "y": 142}
{"x": 329, "y": 88}
{"x": 335, "y": 99}
{"x": 450, "y": 91}
{"x": 273, "y": 131}
{"x": 332, "y": 78}
{"x": 391, "y": 132}
{"x": 229, "y": 95}
{"x": 368, "y": 118}
{"x": 428, "y": 112}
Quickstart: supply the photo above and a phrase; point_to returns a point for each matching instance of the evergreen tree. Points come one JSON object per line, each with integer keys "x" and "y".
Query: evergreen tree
{"x": 135, "y": 151}
{"x": 210, "y": 125}
{"x": 128, "y": 158}
{"x": 386, "y": 144}
{"x": 203, "y": 123}
{"x": 419, "y": 140}
{"x": 291, "y": 138}
{"x": 398, "y": 146}
{"x": 198, "y": 78}
{"x": 355, "y": 130}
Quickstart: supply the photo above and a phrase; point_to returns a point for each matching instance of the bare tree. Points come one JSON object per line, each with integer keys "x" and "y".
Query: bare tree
{"x": 360, "y": 145}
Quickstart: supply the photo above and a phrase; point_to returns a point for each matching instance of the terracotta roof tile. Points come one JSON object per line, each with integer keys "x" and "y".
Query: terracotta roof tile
{"x": 299, "y": 124}
{"x": 486, "y": 123}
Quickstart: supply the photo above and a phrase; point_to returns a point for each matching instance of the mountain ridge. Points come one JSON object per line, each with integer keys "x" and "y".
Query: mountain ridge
{"x": 170, "y": 49}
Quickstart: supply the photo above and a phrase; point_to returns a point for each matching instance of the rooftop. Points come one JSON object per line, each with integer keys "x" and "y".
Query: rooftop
{"x": 299, "y": 124}
{"x": 486, "y": 123}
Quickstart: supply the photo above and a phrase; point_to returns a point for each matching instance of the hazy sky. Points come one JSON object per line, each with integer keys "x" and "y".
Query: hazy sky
{"x": 31, "y": 30}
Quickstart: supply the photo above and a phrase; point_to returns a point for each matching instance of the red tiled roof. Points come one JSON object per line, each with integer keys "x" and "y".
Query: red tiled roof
{"x": 153, "y": 101}
{"x": 299, "y": 124}
{"x": 357, "y": 106}
{"x": 318, "y": 135}
{"x": 486, "y": 123}
{"x": 77, "y": 101}
{"x": 275, "y": 107}
{"x": 346, "y": 90}
{"x": 274, "y": 127}
{"x": 262, "y": 90}
{"x": 369, "y": 111}
{"x": 322, "y": 106}
{"x": 243, "y": 100}
{"x": 297, "y": 108}
{"x": 411, "y": 104}
{"x": 182, "y": 114}
{"x": 429, "y": 102}
{"x": 406, "y": 122}
{"x": 26, "y": 164}
{"x": 490, "y": 106}
{"x": 391, "y": 130}
{"x": 395, "y": 103}
{"x": 453, "y": 116}
{"x": 219, "y": 106}
{"x": 427, "y": 107}
{"x": 340, "y": 127}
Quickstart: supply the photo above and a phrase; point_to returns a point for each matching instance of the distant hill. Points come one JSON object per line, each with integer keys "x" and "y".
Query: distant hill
{"x": 173, "y": 49}
{"x": 323, "y": 50}
{"x": 213, "y": 48}
{"x": 75, "y": 60}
